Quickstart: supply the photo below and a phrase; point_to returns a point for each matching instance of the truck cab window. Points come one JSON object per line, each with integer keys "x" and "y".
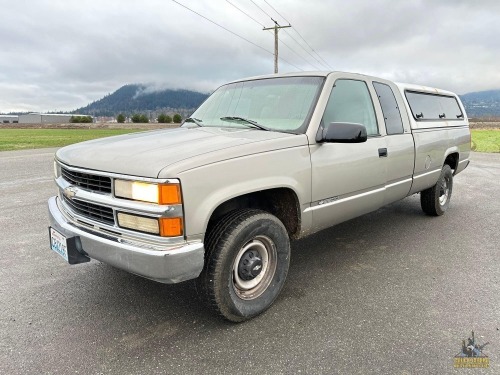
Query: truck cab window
{"x": 350, "y": 101}
{"x": 390, "y": 109}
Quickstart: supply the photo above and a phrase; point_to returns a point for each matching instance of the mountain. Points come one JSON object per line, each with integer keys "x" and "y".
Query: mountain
{"x": 138, "y": 98}
{"x": 482, "y": 103}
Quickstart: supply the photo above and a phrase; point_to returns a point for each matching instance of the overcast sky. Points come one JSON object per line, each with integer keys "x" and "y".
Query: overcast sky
{"x": 63, "y": 54}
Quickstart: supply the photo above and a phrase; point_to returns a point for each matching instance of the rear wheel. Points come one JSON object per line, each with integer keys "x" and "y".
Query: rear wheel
{"x": 248, "y": 254}
{"x": 435, "y": 200}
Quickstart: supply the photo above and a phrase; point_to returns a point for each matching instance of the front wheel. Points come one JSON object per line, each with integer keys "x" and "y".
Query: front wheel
{"x": 248, "y": 254}
{"x": 435, "y": 200}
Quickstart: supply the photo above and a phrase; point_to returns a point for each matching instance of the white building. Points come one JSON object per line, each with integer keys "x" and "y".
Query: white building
{"x": 45, "y": 118}
{"x": 38, "y": 118}
{"x": 8, "y": 119}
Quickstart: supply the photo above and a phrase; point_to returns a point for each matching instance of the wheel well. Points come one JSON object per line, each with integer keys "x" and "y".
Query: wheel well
{"x": 452, "y": 161}
{"x": 281, "y": 202}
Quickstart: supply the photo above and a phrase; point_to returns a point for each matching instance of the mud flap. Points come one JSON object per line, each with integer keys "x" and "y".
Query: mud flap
{"x": 75, "y": 251}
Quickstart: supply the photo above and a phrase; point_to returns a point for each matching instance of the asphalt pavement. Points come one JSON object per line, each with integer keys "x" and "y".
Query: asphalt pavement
{"x": 391, "y": 292}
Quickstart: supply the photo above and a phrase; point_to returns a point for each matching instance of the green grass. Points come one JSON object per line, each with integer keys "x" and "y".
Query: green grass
{"x": 486, "y": 140}
{"x": 20, "y": 139}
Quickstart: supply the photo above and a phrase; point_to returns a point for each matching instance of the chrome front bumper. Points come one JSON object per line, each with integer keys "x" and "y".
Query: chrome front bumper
{"x": 173, "y": 264}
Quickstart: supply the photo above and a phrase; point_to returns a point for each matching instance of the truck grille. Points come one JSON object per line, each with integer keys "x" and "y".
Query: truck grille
{"x": 87, "y": 181}
{"x": 91, "y": 211}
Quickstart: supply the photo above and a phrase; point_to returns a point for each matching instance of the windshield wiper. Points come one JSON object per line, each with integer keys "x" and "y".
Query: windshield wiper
{"x": 195, "y": 120}
{"x": 245, "y": 120}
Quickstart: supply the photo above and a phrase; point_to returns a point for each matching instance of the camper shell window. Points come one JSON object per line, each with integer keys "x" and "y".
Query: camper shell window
{"x": 433, "y": 107}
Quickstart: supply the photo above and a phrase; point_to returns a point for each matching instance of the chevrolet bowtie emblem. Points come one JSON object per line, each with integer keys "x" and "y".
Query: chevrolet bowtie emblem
{"x": 69, "y": 192}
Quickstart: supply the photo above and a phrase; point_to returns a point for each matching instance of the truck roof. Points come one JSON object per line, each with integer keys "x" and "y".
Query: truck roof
{"x": 402, "y": 86}
{"x": 319, "y": 73}
{"x": 432, "y": 90}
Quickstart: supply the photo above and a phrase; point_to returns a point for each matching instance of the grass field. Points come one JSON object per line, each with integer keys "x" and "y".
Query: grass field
{"x": 19, "y": 139}
{"x": 486, "y": 140}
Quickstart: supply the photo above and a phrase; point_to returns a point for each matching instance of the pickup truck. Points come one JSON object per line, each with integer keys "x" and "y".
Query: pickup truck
{"x": 262, "y": 161}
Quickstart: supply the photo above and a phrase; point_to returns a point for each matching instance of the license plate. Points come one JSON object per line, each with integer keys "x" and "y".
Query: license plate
{"x": 58, "y": 243}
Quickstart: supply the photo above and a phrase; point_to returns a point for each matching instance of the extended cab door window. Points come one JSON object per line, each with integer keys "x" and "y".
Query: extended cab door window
{"x": 350, "y": 101}
{"x": 390, "y": 109}
{"x": 400, "y": 147}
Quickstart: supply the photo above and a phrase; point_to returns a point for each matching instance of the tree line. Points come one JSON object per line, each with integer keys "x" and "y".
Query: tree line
{"x": 143, "y": 119}
{"x": 80, "y": 119}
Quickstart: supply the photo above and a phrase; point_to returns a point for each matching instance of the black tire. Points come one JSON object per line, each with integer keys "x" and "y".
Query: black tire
{"x": 435, "y": 200}
{"x": 226, "y": 282}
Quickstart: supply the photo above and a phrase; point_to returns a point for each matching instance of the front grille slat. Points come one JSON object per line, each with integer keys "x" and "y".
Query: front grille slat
{"x": 91, "y": 210}
{"x": 94, "y": 183}
{"x": 87, "y": 181}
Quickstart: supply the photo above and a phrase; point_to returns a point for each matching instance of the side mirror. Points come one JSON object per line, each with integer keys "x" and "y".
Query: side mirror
{"x": 342, "y": 132}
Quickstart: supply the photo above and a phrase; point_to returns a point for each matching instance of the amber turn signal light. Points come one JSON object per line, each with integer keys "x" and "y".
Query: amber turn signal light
{"x": 169, "y": 194}
{"x": 171, "y": 226}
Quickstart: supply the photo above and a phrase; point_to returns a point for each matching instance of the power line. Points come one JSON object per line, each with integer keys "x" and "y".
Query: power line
{"x": 232, "y": 32}
{"x": 300, "y": 45}
{"x": 263, "y": 11}
{"x": 285, "y": 44}
{"x": 309, "y": 53}
{"x": 312, "y": 49}
{"x": 246, "y": 14}
{"x": 291, "y": 49}
{"x": 279, "y": 14}
{"x": 222, "y": 27}
{"x": 298, "y": 34}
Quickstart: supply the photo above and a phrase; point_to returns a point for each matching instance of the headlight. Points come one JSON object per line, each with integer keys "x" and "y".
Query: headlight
{"x": 148, "y": 192}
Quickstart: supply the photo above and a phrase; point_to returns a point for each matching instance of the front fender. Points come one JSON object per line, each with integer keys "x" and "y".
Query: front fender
{"x": 207, "y": 187}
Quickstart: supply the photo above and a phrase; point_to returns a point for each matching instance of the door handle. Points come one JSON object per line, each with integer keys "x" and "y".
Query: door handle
{"x": 382, "y": 152}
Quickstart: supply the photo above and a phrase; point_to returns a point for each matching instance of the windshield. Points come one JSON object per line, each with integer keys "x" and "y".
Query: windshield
{"x": 279, "y": 104}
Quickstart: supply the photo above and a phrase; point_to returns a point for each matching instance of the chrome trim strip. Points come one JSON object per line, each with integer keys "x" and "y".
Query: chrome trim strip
{"x": 120, "y": 234}
{"x": 329, "y": 204}
{"x": 434, "y": 128}
{"x": 398, "y": 183}
{"x": 427, "y": 173}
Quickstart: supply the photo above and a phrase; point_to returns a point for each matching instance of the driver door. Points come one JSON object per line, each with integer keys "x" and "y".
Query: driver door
{"x": 348, "y": 178}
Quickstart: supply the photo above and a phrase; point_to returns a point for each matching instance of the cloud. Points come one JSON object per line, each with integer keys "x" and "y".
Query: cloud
{"x": 61, "y": 55}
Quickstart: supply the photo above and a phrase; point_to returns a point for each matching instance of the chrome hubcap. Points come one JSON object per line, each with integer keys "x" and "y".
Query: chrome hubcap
{"x": 444, "y": 192}
{"x": 254, "y": 267}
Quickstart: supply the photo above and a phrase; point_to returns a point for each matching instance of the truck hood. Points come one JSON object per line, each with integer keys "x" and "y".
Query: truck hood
{"x": 146, "y": 154}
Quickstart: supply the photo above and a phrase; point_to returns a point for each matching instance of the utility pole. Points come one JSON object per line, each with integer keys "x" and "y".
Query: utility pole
{"x": 276, "y": 27}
